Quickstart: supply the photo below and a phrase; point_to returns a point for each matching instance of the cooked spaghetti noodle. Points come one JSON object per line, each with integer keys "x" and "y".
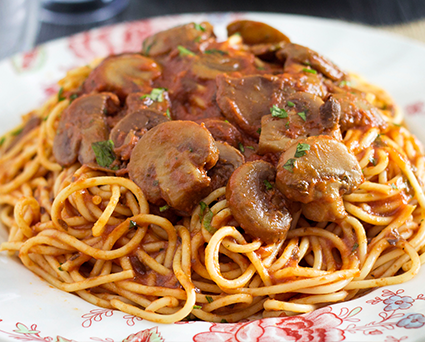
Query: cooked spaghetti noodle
{"x": 88, "y": 230}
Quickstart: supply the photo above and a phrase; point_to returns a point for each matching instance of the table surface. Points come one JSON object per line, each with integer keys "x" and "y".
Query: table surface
{"x": 373, "y": 12}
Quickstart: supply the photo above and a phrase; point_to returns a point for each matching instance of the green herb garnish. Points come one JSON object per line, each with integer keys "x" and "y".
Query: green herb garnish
{"x": 132, "y": 224}
{"x": 373, "y": 161}
{"x": 224, "y": 321}
{"x": 185, "y": 52}
{"x": 73, "y": 97}
{"x": 301, "y": 148}
{"x": 268, "y": 185}
{"x": 259, "y": 130}
{"x": 2, "y": 140}
{"x": 163, "y": 208}
{"x": 60, "y": 95}
{"x": 311, "y": 71}
{"x": 251, "y": 147}
{"x": 104, "y": 152}
{"x": 157, "y": 94}
{"x": 209, "y": 299}
{"x": 355, "y": 246}
{"x": 289, "y": 165}
{"x": 211, "y": 51}
{"x": 394, "y": 186}
{"x": 168, "y": 113}
{"x": 302, "y": 115}
{"x": 241, "y": 147}
{"x": 207, "y": 222}
{"x": 197, "y": 307}
{"x": 278, "y": 112}
{"x": 199, "y": 27}
{"x": 290, "y": 104}
{"x": 17, "y": 132}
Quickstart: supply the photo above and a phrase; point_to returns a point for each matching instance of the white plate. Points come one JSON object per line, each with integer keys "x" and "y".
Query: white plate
{"x": 32, "y": 310}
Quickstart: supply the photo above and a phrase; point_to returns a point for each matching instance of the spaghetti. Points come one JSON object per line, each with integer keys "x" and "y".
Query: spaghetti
{"x": 89, "y": 230}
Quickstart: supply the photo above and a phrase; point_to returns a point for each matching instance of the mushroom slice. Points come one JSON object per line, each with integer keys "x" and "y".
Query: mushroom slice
{"x": 317, "y": 171}
{"x": 228, "y": 161}
{"x": 223, "y": 131}
{"x": 127, "y": 132}
{"x": 80, "y": 125}
{"x": 254, "y": 32}
{"x": 246, "y": 99}
{"x": 170, "y": 164}
{"x": 294, "y": 53}
{"x": 305, "y": 115}
{"x": 357, "y": 112}
{"x": 122, "y": 75}
{"x": 259, "y": 207}
{"x": 186, "y": 35}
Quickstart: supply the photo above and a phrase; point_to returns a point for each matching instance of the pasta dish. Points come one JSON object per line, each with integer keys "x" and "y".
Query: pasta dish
{"x": 215, "y": 180}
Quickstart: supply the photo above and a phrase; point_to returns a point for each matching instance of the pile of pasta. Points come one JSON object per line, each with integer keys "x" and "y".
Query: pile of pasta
{"x": 89, "y": 232}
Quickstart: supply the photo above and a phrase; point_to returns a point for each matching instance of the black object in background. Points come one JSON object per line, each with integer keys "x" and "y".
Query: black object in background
{"x": 373, "y": 12}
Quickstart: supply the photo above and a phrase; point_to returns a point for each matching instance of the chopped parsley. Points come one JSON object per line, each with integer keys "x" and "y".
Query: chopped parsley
{"x": 133, "y": 224}
{"x": 311, "y": 71}
{"x": 301, "y": 148}
{"x": 289, "y": 165}
{"x": 104, "y": 152}
{"x": 73, "y": 97}
{"x": 224, "y": 321}
{"x": 302, "y": 115}
{"x": 17, "y": 132}
{"x": 168, "y": 113}
{"x": 185, "y": 52}
{"x": 259, "y": 130}
{"x": 199, "y": 27}
{"x": 203, "y": 206}
{"x": 278, "y": 112}
{"x": 207, "y": 222}
{"x": 211, "y": 51}
{"x": 60, "y": 95}
{"x": 373, "y": 161}
{"x": 209, "y": 299}
{"x": 251, "y": 147}
{"x": 345, "y": 83}
{"x": 268, "y": 185}
{"x": 241, "y": 147}
{"x": 290, "y": 104}
{"x": 355, "y": 246}
{"x": 163, "y": 208}
{"x": 157, "y": 95}
{"x": 394, "y": 186}
{"x": 197, "y": 307}
{"x": 2, "y": 140}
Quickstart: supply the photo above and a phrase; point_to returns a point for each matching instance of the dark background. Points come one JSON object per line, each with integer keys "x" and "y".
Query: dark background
{"x": 372, "y": 12}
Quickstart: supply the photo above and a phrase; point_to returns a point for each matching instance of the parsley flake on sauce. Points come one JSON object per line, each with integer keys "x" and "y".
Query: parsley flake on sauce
{"x": 311, "y": 71}
{"x": 164, "y": 208}
{"x": 197, "y": 307}
{"x": 268, "y": 185}
{"x": 209, "y": 299}
{"x": 241, "y": 147}
{"x": 289, "y": 165}
{"x": 290, "y": 104}
{"x": 302, "y": 115}
{"x": 104, "y": 152}
{"x": 278, "y": 112}
{"x": 133, "y": 224}
{"x": 185, "y": 52}
{"x": 199, "y": 27}
{"x": 301, "y": 148}
{"x": 157, "y": 95}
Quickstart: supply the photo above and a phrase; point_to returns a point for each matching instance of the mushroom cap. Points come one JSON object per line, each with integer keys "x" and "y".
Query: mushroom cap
{"x": 259, "y": 208}
{"x": 319, "y": 169}
{"x": 170, "y": 163}
{"x": 122, "y": 75}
